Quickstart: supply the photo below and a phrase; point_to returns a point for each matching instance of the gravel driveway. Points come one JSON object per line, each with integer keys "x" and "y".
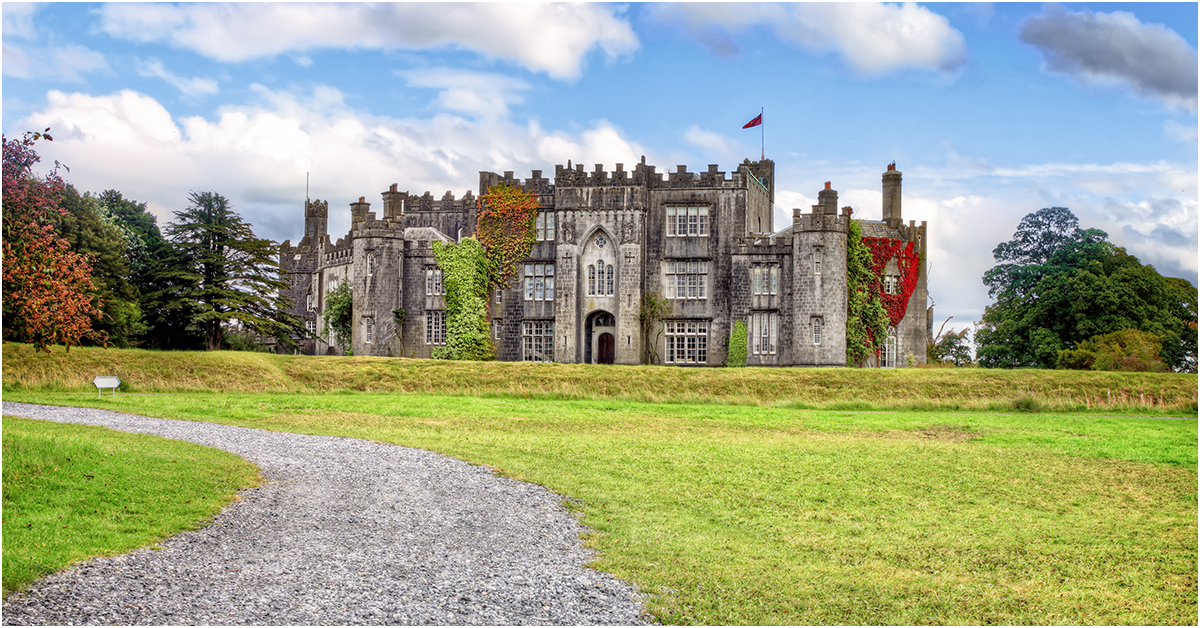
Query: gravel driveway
{"x": 344, "y": 531}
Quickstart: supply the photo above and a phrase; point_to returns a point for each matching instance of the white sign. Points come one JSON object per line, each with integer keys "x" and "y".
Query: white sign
{"x": 106, "y": 381}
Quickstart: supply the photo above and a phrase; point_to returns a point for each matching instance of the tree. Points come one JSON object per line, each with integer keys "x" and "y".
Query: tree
{"x": 651, "y": 313}
{"x": 228, "y": 274}
{"x": 950, "y": 347}
{"x": 92, "y": 231}
{"x": 48, "y": 290}
{"x": 1059, "y": 286}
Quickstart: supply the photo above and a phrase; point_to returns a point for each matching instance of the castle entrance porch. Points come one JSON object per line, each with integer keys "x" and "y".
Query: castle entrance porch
{"x": 600, "y": 334}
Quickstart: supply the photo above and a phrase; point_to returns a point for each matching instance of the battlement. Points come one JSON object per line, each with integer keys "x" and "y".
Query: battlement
{"x": 340, "y": 253}
{"x": 763, "y": 245}
{"x": 648, "y": 176}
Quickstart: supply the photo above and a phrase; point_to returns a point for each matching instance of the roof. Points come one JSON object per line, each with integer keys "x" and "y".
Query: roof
{"x": 425, "y": 233}
{"x": 879, "y": 229}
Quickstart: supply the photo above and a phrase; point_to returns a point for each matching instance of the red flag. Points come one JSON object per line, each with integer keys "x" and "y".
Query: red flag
{"x": 755, "y": 122}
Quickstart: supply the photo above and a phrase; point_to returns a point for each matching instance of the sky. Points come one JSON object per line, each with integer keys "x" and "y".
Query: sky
{"x": 991, "y": 111}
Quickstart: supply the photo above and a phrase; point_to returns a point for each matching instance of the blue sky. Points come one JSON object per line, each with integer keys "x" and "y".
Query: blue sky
{"x": 991, "y": 111}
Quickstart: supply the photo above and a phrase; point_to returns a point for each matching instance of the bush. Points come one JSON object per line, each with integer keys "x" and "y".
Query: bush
{"x": 737, "y": 345}
{"x": 1125, "y": 350}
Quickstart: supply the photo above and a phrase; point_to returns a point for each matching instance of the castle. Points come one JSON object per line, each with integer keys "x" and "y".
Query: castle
{"x": 605, "y": 241}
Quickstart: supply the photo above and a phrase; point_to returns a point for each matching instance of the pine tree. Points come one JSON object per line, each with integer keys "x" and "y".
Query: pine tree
{"x": 228, "y": 274}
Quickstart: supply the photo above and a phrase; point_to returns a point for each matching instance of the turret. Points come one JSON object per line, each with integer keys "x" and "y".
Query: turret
{"x": 316, "y": 220}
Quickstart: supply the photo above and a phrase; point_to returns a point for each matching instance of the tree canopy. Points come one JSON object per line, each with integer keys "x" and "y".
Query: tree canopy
{"x": 226, "y": 274}
{"x": 1057, "y": 285}
{"x": 49, "y": 296}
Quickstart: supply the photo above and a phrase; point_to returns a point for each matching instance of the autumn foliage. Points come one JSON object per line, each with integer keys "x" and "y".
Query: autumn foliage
{"x": 505, "y": 227}
{"x": 48, "y": 291}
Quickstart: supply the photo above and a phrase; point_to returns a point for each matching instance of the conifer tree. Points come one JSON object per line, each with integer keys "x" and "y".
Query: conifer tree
{"x": 227, "y": 275}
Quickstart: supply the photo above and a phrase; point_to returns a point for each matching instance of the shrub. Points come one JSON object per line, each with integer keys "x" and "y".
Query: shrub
{"x": 737, "y": 345}
{"x": 1125, "y": 350}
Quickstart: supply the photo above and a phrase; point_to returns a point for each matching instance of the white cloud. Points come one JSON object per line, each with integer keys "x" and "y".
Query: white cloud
{"x": 1180, "y": 132}
{"x": 18, "y": 20}
{"x": 551, "y": 38}
{"x": 468, "y": 92}
{"x": 873, "y": 38}
{"x": 714, "y": 145}
{"x": 194, "y": 86}
{"x": 257, "y": 154}
{"x": 1115, "y": 48}
{"x": 67, "y": 63}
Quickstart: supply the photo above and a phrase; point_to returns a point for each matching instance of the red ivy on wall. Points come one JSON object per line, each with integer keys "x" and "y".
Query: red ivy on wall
{"x": 882, "y": 251}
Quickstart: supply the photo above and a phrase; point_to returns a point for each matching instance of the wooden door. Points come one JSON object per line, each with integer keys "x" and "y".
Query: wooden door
{"x": 608, "y": 347}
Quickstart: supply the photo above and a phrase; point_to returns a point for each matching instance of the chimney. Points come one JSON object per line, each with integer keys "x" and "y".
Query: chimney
{"x": 827, "y": 199}
{"x": 891, "y": 196}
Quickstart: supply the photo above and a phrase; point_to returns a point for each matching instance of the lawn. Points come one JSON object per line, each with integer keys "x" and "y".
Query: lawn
{"x": 73, "y": 492}
{"x": 786, "y": 514}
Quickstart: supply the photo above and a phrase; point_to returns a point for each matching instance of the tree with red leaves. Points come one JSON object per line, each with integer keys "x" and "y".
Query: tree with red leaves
{"x": 48, "y": 291}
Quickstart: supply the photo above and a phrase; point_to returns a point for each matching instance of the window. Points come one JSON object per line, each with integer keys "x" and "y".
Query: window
{"x": 687, "y": 222}
{"x": 435, "y": 327}
{"x": 600, "y": 279}
{"x": 311, "y": 326}
{"x": 686, "y": 280}
{"x": 499, "y": 295}
{"x": 539, "y": 282}
{"x": 687, "y": 342}
{"x": 310, "y": 303}
{"x": 368, "y": 330}
{"x": 764, "y": 333}
{"x": 891, "y": 284}
{"x": 766, "y": 280}
{"x": 497, "y": 327}
{"x": 544, "y": 223}
{"x": 887, "y": 351}
{"x": 370, "y": 263}
{"x": 816, "y": 329}
{"x": 433, "y": 281}
{"x": 817, "y": 261}
{"x": 538, "y": 340}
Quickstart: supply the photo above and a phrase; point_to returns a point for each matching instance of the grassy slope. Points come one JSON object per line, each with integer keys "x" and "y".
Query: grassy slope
{"x": 73, "y": 492}
{"x": 149, "y": 371}
{"x": 766, "y": 514}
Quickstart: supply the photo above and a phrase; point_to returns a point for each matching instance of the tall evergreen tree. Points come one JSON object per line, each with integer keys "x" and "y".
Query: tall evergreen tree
{"x": 228, "y": 274}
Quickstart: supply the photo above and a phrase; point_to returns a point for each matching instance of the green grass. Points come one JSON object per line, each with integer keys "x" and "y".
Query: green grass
{"x": 861, "y": 389}
{"x": 75, "y": 492}
{"x": 782, "y": 514}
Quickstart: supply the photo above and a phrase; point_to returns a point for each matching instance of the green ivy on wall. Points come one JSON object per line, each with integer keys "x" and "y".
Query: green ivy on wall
{"x": 738, "y": 343}
{"x": 339, "y": 316}
{"x": 465, "y": 277}
{"x": 866, "y": 318}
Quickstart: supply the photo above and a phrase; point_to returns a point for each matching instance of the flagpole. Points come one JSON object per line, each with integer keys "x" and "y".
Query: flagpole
{"x": 763, "y": 134}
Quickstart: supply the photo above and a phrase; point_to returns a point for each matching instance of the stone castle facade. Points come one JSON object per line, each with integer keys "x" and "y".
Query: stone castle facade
{"x": 606, "y": 241}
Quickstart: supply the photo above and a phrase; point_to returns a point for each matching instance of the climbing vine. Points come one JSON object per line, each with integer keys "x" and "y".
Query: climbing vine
{"x": 909, "y": 262}
{"x": 465, "y": 278}
{"x": 738, "y": 343}
{"x": 505, "y": 227}
{"x": 652, "y": 311}
{"x": 866, "y": 318}
{"x": 339, "y": 316}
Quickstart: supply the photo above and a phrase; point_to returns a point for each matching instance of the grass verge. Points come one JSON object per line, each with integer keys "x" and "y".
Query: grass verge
{"x": 74, "y": 492}
{"x": 731, "y": 514}
{"x": 857, "y": 389}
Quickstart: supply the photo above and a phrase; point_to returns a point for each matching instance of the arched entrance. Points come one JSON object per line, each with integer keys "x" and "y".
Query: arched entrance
{"x": 600, "y": 338}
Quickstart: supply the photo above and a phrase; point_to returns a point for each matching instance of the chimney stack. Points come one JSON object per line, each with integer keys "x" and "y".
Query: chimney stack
{"x": 891, "y": 196}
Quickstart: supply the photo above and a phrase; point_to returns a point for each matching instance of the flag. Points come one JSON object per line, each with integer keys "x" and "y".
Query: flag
{"x": 755, "y": 122}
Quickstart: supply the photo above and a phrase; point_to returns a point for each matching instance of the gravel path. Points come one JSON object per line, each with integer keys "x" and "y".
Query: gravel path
{"x": 344, "y": 531}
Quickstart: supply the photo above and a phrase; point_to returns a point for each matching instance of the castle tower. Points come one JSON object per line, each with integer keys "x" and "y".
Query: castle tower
{"x": 376, "y": 280}
{"x": 316, "y": 220}
{"x": 891, "y": 197}
{"x": 819, "y": 282}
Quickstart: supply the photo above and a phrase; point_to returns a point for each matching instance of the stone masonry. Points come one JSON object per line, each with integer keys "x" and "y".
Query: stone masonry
{"x": 607, "y": 241}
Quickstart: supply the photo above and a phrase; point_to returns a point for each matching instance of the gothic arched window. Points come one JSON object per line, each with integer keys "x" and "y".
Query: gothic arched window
{"x": 591, "y": 280}
{"x": 608, "y": 271}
